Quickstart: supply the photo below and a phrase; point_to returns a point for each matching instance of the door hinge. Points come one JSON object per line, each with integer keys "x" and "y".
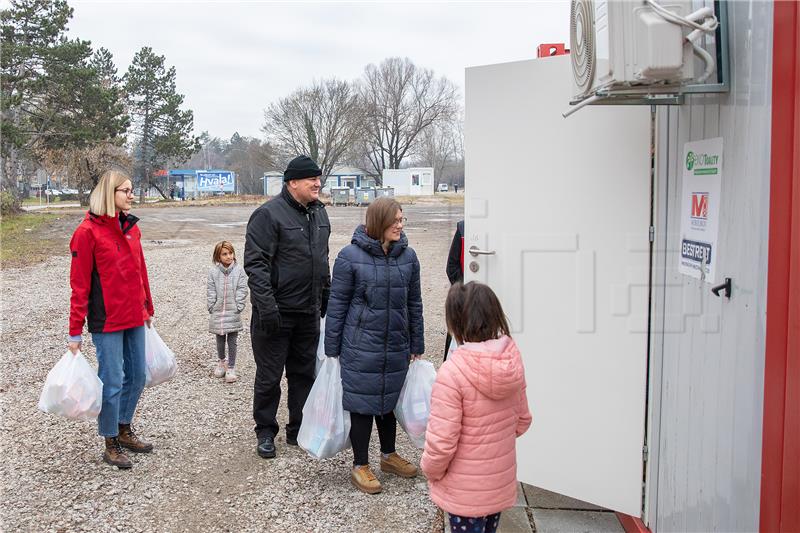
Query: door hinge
{"x": 652, "y": 234}
{"x": 644, "y": 453}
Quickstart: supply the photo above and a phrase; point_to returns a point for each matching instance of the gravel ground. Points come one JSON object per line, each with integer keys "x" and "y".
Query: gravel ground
{"x": 204, "y": 474}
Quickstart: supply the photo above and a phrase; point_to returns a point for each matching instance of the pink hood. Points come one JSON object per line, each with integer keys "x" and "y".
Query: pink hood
{"x": 478, "y": 409}
{"x": 494, "y": 367}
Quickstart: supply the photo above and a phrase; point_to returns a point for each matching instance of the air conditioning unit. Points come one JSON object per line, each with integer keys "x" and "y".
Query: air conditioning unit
{"x": 626, "y": 44}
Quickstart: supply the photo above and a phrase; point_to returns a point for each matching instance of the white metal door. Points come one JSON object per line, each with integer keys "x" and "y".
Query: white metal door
{"x": 565, "y": 206}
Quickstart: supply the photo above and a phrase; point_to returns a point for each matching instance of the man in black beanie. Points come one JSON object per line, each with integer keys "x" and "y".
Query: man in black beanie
{"x": 286, "y": 260}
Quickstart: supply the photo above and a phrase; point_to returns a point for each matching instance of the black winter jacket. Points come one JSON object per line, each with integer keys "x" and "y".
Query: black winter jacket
{"x": 455, "y": 270}
{"x": 286, "y": 257}
{"x": 374, "y": 321}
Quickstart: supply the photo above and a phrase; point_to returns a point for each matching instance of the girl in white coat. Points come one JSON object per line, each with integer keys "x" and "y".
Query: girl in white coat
{"x": 226, "y": 298}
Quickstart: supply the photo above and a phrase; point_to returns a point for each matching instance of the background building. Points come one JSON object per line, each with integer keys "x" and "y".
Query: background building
{"x": 409, "y": 181}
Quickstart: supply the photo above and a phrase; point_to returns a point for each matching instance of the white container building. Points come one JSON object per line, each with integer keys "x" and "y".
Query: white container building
{"x": 409, "y": 181}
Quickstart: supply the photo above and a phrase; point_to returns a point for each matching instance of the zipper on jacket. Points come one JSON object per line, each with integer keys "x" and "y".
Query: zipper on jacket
{"x": 224, "y": 297}
{"x": 311, "y": 253}
{"x": 359, "y": 325}
{"x": 386, "y": 336}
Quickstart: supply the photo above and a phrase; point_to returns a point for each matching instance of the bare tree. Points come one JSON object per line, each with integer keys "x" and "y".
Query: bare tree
{"x": 210, "y": 153}
{"x": 250, "y": 158}
{"x": 86, "y": 165}
{"x": 401, "y": 101}
{"x": 438, "y": 149}
{"x": 322, "y": 121}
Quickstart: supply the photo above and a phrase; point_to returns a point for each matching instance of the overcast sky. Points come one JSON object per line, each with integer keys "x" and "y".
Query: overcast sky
{"x": 234, "y": 58}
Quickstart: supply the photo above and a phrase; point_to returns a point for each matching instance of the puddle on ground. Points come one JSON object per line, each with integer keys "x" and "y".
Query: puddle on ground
{"x": 169, "y": 242}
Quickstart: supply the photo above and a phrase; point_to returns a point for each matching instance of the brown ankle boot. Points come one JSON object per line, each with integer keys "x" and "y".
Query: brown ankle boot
{"x": 128, "y": 439}
{"x": 114, "y": 455}
{"x": 364, "y": 480}
{"x": 394, "y": 464}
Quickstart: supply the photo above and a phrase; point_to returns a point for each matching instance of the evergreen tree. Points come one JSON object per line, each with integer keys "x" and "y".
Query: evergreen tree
{"x": 54, "y": 101}
{"x": 162, "y": 130}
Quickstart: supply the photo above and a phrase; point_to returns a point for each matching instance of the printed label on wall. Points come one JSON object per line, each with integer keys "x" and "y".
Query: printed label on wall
{"x": 700, "y": 200}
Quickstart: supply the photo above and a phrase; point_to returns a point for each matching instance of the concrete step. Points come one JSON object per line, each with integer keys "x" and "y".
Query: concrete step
{"x": 556, "y": 513}
{"x": 552, "y": 513}
{"x": 566, "y": 521}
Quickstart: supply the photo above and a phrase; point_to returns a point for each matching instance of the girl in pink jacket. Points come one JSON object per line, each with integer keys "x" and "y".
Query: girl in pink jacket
{"x": 478, "y": 409}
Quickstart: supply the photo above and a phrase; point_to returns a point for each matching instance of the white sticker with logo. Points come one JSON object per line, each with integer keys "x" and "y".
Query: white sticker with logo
{"x": 700, "y": 200}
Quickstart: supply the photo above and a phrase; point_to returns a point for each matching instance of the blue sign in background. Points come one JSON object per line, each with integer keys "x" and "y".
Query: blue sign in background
{"x": 215, "y": 181}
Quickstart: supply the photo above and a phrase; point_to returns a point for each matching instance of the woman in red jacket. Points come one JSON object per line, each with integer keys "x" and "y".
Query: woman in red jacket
{"x": 111, "y": 292}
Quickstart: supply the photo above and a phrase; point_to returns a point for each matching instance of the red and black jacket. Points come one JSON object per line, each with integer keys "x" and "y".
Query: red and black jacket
{"x": 108, "y": 276}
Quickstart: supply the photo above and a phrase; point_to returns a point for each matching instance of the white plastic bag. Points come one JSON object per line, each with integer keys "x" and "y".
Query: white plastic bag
{"x": 160, "y": 365}
{"x": 72, "y": 389}
{"x": 325, "y": 430}
{"x": 452, "y": 348}
{"x": 414, "y": 405}
{"x": 320, "y": 347}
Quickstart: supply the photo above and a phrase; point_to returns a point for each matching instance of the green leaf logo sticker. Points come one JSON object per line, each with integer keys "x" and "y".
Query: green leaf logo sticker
{"x": 690, "y": 160}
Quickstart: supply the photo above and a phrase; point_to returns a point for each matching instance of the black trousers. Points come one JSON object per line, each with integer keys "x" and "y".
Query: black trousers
{"x": 361, "y": 431}
{"x": 447, "y": 342}
{"x": 294, "y": 347}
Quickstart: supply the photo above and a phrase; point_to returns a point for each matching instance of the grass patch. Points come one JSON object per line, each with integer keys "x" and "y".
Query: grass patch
{"x": 53, "y": 200}
{"x": 22, "y": 240}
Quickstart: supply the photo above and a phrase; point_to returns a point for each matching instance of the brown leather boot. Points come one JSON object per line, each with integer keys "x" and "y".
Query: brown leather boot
{"x": 394, "y": 464}
{"x": 114, "y": 455}
{"x": 364, "y": 480}
{"x": 128, "y": 439}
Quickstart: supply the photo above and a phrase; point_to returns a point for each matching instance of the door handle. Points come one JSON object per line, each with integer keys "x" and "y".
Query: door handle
{"x": 475, "y": 252}
{"x": 727, "y": 287}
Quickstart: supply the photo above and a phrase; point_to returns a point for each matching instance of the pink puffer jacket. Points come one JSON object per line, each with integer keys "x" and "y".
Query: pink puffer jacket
{"x": 478, "y": 409}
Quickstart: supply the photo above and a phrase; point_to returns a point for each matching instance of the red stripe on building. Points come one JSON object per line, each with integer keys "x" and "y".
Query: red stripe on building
{"x": 780, "y": 464}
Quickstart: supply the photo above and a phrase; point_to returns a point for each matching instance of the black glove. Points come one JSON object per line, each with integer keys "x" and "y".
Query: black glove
{"x": 323, "y": 307}
{"x": 270, "y": 323}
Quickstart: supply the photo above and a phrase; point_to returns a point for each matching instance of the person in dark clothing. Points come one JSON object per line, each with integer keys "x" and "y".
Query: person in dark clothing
{"x": 286, "y": 261}
{"x": 455, "y": 269}
{"x": 375, "y": 327}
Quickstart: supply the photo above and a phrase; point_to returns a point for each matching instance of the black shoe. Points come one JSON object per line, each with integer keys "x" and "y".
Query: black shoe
{"x": 291, "y": 441}
{"x": 266, "y": 447}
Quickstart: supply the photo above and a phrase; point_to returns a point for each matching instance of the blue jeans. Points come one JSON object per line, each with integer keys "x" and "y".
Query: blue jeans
{"x": 120, "y": 366}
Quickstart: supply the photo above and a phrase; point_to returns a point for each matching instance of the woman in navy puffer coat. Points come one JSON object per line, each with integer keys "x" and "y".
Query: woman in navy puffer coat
{"x": 374, "y": 325}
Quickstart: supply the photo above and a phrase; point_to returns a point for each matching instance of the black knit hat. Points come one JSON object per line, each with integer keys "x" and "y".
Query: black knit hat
{"x": 301, "y": 167}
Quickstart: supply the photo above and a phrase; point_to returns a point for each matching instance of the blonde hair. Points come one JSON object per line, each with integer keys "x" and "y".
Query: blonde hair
{"x": 381, "y": 215}
{"x": 101, "y": 201}
{"x": 222, "y": 245}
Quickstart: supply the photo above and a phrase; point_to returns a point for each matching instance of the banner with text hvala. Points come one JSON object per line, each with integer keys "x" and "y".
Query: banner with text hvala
{"x": 216, "y": 181}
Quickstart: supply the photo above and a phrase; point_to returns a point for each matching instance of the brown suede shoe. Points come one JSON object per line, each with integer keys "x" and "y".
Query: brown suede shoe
{"x": 128, "y": 439}
{"x": 364, "y": 480}
{"x": 395, "y": 464}
{"x": 114, "y": 455}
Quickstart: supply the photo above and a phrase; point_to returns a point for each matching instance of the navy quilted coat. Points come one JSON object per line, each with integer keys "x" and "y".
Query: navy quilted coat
{"x": 374, "y": 321}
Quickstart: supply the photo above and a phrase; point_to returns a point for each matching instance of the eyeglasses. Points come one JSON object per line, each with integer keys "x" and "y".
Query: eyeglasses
{"x": 127, "y": 191}
{"x": 400, "y": 221}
